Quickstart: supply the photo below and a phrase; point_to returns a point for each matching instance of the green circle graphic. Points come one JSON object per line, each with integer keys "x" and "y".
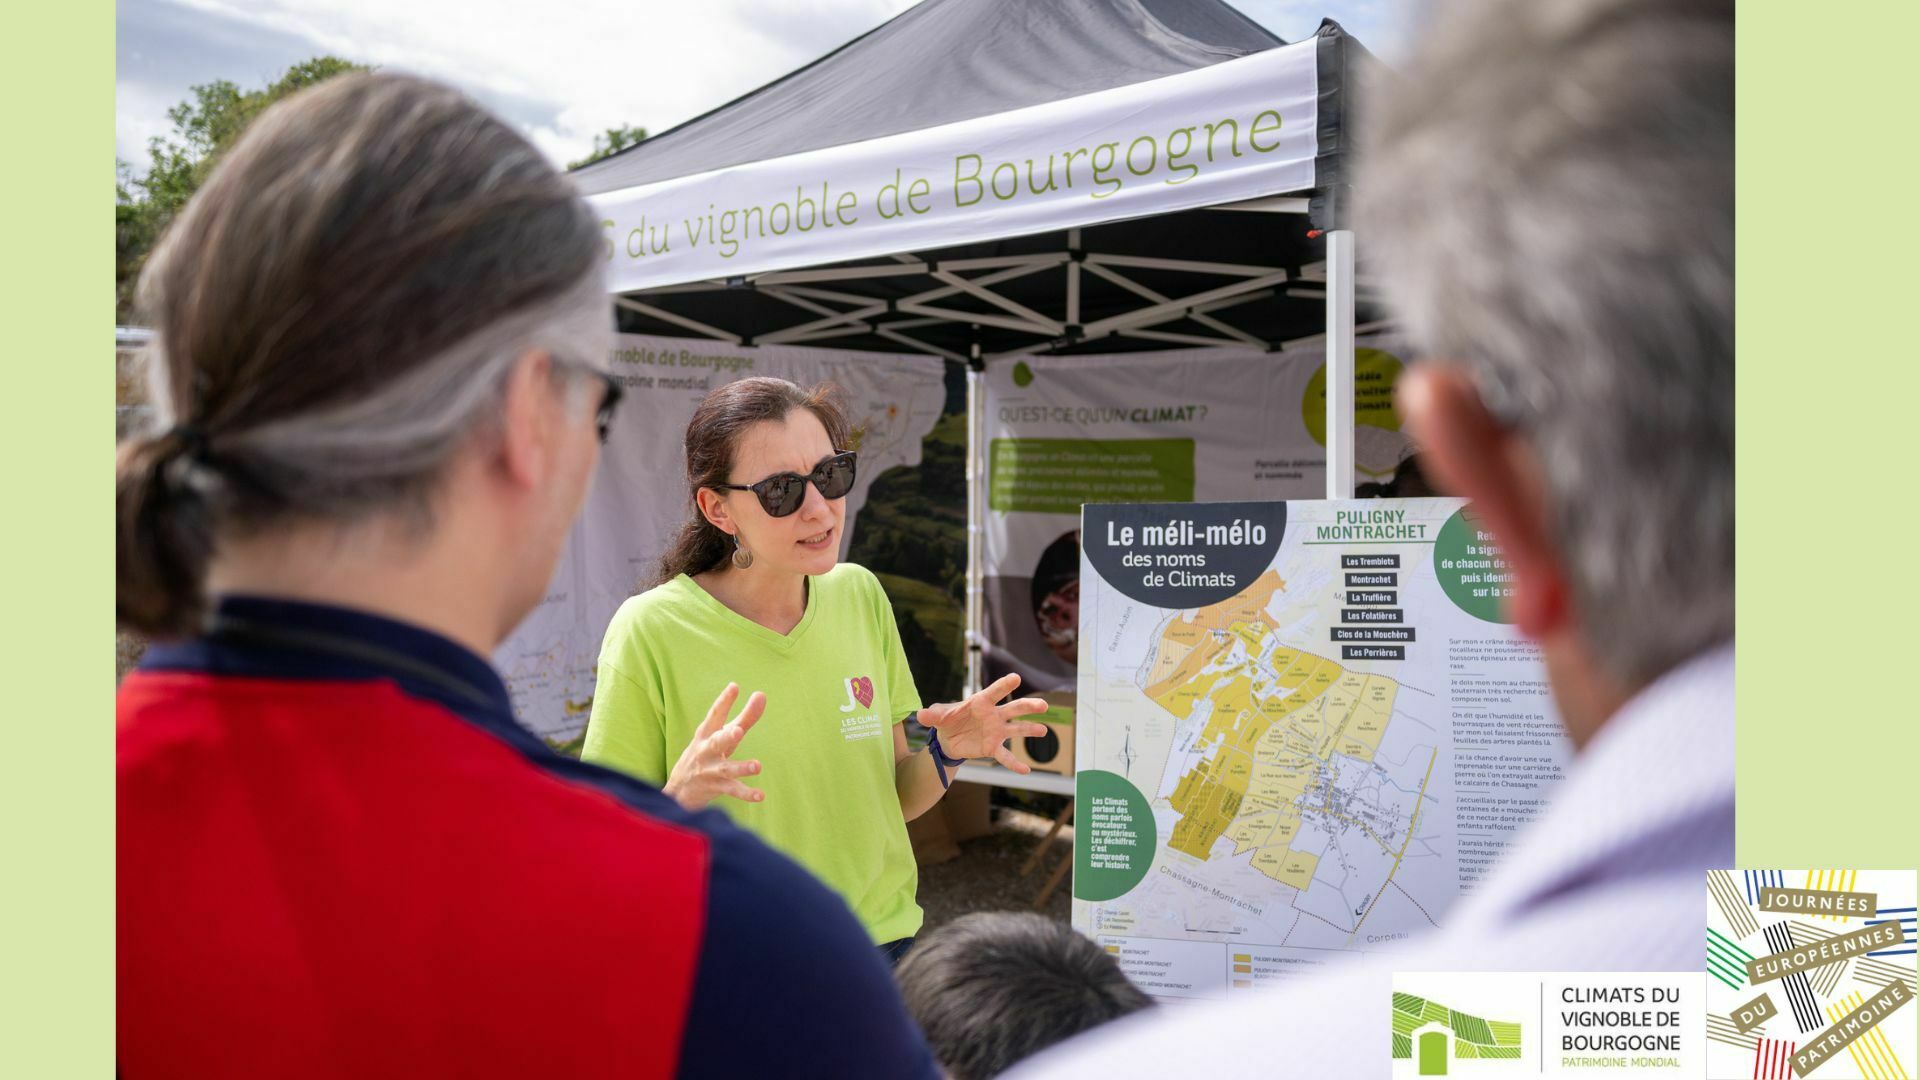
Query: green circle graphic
{"x": 1466, "y": 562}
{"x": 1113, "y": 835}
{"x": 1022, "y": 374}
{"x": 1374, "y": 373}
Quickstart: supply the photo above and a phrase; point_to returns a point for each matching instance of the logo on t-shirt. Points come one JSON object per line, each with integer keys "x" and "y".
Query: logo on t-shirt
{"x": 859, "y": 694}
{"x": 859, "y": 697}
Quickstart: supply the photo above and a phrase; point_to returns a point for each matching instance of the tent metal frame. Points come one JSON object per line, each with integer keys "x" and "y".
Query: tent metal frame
{"x": 835, "y": 313}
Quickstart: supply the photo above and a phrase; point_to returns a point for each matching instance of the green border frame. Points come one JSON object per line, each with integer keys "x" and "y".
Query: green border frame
{"x": 56, "y": 438}
{"x": 1828, "y": 720}
{"x": 1828, "y": 380}
{"x": 1828, "y": 377}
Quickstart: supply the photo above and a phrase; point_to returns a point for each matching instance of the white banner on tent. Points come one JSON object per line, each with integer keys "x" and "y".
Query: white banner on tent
{"x": 1237, "y": 130}
{"x": 639, "y": 493}
{"x": 1205, "y": 425}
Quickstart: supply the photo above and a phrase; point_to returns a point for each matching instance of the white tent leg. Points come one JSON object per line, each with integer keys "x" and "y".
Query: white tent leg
{"x": 1340, "y": 364}
{"x": 976, "y": 523}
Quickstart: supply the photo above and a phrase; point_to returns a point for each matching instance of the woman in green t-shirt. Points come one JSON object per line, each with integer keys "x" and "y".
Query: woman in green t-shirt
{"x": 752, "y": 593}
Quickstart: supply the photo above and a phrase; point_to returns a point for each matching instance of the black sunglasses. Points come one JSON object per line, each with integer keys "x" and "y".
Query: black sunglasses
{"x": 603, "y": 418}
{"x": 782, "y": 493}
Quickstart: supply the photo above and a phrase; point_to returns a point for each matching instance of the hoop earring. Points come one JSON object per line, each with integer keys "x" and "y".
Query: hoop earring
{"x": 742, "y": 558}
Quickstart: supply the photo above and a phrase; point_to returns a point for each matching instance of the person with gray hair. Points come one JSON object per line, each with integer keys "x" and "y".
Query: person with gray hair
{"x": 1548, "y": 197}
{"x": 381, "y": 373}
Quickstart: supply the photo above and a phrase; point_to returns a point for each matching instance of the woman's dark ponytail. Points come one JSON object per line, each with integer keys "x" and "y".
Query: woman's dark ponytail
{"x": 697, "y": 547}
{"x": 163, "y": 536}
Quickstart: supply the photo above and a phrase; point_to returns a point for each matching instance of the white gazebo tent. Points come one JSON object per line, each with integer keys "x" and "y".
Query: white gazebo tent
{"x": 985, "y": 178}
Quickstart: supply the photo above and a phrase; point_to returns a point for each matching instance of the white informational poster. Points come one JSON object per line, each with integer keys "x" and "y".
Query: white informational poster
{"x": 1303, "y": 730}
{"x": 639, "y": 495}
{"x": 1195, "y": 424}
{"x": 1223, "y": 133}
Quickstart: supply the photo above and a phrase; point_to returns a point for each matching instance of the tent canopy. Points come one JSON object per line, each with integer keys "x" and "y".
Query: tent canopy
{"x": 1072, "y": 162}
{"x": 940, "y": 62}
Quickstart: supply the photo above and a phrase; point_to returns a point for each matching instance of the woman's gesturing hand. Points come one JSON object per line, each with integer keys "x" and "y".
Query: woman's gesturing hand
{"x": 706, "y": 769}
{"x": 977, "y": 727}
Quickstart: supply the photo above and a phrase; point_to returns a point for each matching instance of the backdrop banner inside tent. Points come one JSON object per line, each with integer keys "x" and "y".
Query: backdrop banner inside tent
{"x": 639, "y": 494}
{"x": 1236, "y": 130}
{"x": 1208, "y": 425}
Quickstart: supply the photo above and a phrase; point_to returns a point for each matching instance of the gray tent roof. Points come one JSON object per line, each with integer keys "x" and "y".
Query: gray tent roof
{"x": 945, "y": 61}
{"x": 940, "y": 62}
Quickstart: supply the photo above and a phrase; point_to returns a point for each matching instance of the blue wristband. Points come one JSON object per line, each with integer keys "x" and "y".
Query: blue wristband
{"x": 941, "y": 762}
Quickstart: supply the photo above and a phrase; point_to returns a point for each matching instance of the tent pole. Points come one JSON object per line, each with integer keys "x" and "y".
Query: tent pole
{"x": 976, "y": 518}
{"x": 1340, "y": 364}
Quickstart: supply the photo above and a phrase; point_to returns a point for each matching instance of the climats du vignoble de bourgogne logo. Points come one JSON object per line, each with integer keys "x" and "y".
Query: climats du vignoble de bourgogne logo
{"x": 1516, "y": 1024}
{"x": 1429, "y": 1033}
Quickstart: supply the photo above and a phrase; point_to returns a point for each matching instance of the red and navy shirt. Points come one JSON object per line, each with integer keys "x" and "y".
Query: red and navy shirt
{"x": 339, "y": 855}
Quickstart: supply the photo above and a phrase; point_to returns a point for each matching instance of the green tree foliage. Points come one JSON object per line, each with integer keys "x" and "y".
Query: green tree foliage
{"x": 937, "y": 670}
{"x": 177, "y": 164}
{"x": 611, "y": 142}
{"x": 133, "y": 235}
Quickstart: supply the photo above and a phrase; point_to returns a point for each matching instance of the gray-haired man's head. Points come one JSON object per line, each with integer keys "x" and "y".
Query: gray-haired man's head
{"x": 1548, "y": 197}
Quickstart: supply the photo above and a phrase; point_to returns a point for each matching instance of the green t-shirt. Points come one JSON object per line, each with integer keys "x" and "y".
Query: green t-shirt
{"x": 835, "y": 687}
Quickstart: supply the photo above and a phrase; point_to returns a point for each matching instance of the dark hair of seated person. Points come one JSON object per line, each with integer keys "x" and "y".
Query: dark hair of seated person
{"x": 992, "y": 988}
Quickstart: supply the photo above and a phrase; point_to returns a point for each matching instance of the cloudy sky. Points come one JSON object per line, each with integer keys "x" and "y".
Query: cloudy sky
{"x": 562, "y": 71}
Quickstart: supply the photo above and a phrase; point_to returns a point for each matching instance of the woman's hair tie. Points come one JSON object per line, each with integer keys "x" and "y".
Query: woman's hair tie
{"x": 191, "y": 439}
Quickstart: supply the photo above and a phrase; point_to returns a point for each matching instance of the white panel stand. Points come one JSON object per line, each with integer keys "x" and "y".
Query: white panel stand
{"x": 974, "y": 772}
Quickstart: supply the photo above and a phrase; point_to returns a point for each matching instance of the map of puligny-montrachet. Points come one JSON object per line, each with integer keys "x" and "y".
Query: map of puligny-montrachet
{"x": 1305, "y": 798}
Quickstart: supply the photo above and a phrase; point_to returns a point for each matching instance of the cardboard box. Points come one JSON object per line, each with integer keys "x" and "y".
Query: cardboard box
{"x": 967, "y": 811}
{"x": 962, "y": 814}
{"x": 932, "y": 843}
{"x": 1053, "y": 752}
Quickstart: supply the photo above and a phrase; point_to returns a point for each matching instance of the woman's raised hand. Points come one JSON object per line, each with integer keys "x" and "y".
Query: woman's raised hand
{"x": 706, "y": 769}
{"x": 977, "y": 727}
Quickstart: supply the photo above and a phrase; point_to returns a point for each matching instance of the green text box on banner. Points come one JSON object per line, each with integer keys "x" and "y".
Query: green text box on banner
{"x": 1056, "y": 476}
